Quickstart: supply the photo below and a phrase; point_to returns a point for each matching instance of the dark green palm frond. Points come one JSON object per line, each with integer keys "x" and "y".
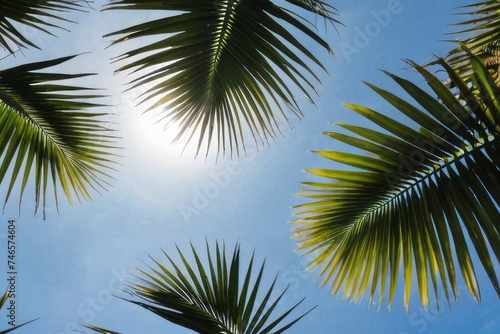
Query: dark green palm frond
{"x": 47, "y": 131}
{"x": 4, "y": 299}
{"x": 480, "y": 35}
{"x": 211, "y": 297}
{"x": 33, "y": 14}
{"x": 321, "y": 8}
{"x": 224, "y": 69}
{"x": 419, "y": 199}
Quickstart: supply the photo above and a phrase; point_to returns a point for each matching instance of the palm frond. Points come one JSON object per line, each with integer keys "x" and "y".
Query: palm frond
{"x": 211, "y": 296}
{"x": 47, "y": 130}
{"x": 223, "y": 70}
{"x": 480, "y": 35}
{"x": 19, "y": 14}
{"x": 418, "y": 201}
{"x": 318, "y": 7}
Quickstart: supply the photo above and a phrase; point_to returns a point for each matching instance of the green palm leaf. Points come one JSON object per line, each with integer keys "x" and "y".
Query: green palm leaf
{"x": 484, "y": 26}
{"x": 29, "y": 13}
{"x": 223, "y": 69}
{"x": 210, "y": 296}
{"x": 47, "y": 131}
{"x": 420, "y": 199}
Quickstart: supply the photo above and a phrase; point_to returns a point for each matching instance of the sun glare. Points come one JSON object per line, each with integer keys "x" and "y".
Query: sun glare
{"x": 164, "y": 139}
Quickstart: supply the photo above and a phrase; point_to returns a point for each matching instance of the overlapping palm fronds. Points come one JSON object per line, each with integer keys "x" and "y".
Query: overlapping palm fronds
{"x": 47, "y": 134}
{"x": 210, "y": 296}
{"x": 224, "y": 69}
{"x": 481, "y": 36}
{"x": 3, "y": 300}
{"x": 20, "y": 14}
{"x": 418, "y": 201}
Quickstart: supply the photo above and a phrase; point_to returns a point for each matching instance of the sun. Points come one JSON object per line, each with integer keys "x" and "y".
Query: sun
{"x": 161, "y": 138}
{"x": 145, "y": 130}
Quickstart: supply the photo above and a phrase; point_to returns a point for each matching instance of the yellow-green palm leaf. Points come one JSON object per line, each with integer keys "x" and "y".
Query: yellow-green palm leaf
{"x": 210, "y": 296}
{"x": 424, "y": 195}
{"x": 224, "y": 70}
{"x": 29, "y": 13}
{"x": 48, "y": 136}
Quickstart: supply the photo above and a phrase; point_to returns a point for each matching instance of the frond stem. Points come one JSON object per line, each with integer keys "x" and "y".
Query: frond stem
{"x": 462, "y": 154}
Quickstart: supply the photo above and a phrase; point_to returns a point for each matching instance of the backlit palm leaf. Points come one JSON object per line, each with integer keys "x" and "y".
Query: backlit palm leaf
{"x": 15, "y": 16}
{"x": 419, "y": 199}
{"x": 210, "y": 297}
{"x": 484, "y": 26}
{"x": 47, "y": 131}
{"x": 222, "y": 69}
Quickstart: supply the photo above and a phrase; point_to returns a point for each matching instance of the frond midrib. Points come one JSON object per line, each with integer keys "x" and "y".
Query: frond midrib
{"x": 447, "y": 162}
{"x": 221, "y": 41}
{"x": 49, "y": 135}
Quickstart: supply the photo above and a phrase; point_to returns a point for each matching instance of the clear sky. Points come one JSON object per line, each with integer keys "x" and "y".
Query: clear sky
{"x": 71, "y": 263}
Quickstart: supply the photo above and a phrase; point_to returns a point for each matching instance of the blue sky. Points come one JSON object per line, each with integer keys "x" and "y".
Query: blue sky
{"x": 71, "y": 263}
